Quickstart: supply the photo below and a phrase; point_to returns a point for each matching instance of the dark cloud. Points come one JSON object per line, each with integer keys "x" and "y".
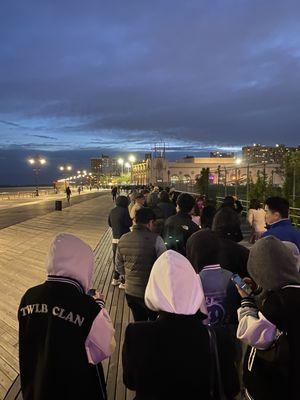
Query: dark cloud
{"x": 196, "y": 74}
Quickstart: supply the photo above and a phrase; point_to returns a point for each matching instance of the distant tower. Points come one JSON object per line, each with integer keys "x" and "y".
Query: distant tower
{"x": 159, "y": 153}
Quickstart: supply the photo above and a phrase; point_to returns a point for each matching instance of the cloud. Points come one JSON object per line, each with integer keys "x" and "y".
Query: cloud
{"x": 197, "y": 75}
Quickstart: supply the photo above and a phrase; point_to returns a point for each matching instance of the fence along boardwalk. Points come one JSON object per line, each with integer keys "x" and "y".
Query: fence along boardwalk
{"x": 117, "y": 307}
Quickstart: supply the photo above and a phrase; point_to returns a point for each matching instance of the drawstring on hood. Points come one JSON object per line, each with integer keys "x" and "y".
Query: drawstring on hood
{"x": 70, "y": 257}
{"x": 272, "y": 264}
{"x": 174, "y": 286}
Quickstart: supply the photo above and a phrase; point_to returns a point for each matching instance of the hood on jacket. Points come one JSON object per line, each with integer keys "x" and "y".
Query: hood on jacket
{"x": 174, "y": 286}
{"x": 202, "y": 249}
{"x": 295, "y": 251}
{"x": 69, "y": 256}
{"x": 122, "y": 201}
{"x": 272, "y": 264}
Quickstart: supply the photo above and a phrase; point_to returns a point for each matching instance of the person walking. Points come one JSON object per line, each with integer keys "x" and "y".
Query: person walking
{"x": 64, "y": 333}
{"x": 136, "y": 254}
{"x": 68, "y": 194}
{"x": 120, "y": 222}
{"x": 114, "y": 192}
{"x": 171, "y": 357}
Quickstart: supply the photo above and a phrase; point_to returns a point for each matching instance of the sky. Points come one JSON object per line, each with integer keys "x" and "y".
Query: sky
{"x": 78, "y": 79}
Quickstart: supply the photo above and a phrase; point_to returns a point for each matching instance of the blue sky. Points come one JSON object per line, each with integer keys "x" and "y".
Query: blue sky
{"x": 114, "y": 77}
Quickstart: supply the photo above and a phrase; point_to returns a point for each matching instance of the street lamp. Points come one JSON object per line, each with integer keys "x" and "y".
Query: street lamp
{"x": 131, "y": 159}
{"x": 36, "y": 162}
{"x": 127, "y": 165}
{"x": 121, "y": 162}
{"x": 237, "y": 162}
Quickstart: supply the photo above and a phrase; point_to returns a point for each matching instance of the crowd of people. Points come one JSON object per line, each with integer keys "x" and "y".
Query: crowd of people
{"x": 212, "y": 319}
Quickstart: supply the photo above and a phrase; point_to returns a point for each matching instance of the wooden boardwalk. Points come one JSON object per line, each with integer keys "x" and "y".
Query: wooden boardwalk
{"x": 119, "y": 312}
{"x": 23, "y": 248}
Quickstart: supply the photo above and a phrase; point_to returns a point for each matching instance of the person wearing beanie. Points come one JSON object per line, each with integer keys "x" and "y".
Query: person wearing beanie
{"x": 64, "y": 333}
{"x": 170, "y": 358}
{"x": 178, "y": 228}
{"x": 120, "y": 222}
{"x": 273, "y": 267}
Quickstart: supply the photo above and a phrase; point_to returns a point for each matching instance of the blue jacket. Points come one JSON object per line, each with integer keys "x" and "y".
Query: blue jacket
{"x": 285, "y": 231}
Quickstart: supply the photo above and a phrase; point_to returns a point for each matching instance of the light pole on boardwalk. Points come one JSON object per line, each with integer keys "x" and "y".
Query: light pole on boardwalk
{"x": 237, "y": 162}
{"x": 36, "y": 163}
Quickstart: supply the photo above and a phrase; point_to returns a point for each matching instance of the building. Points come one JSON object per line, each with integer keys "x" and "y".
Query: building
{"x": 186, "y": 170}
{"x": 217, "y": 154}
{"x": 160, "y": 170}
{"x": 105, "y": 165}
{"x": 259, "y": 153}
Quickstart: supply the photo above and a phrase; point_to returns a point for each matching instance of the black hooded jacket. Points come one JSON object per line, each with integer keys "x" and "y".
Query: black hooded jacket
{"x": 119, "y": 219}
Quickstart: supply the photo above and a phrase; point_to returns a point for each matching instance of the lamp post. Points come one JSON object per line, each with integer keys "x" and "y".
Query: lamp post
{"x": 225, "y": 182}
{"x": 121, "y": 162}
{"x": 65, "y": 169}
{"x": 131, "y": 159}
{"x": 127, "y": 165}
{"x": 36, "y": 163}
{"x": 248, "y": 183}
{"x": 237, "y": 162}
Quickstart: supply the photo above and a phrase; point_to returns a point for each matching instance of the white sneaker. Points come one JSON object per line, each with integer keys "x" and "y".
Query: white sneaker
{"x": 122, "y": 286}
{"x": 115, "y": 282}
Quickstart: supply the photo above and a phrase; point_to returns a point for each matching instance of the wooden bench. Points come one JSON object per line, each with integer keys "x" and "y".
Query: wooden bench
{"x": 117, "y": 307}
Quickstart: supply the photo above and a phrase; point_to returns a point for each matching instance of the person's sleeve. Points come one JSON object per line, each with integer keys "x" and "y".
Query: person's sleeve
{"x": 128, "y": 365}
{"x": 160, "y": 246}
{"x": 100, "y": 342}
{"x": 119, "y": 262}
{"x": 232, "y": 304}
{"x": 127, "y": 219}
{"x": 254, "y": 329}
{"x": 250, "y": 217}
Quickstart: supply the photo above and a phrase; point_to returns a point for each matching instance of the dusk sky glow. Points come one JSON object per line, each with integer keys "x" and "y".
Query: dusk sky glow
{"x": 79, "y": 79}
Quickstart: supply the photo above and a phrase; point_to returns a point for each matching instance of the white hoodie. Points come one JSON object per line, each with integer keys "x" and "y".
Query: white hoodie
{"x": 70, "y": 257}
{"x": 174, "y": 286}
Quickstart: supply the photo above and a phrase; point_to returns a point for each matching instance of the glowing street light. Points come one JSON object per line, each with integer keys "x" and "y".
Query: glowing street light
{"x": 238, "y": 162}
{"x": 121, "y": 162}
{"x": 36, "y": 162}
{"x": 131, "y": 159}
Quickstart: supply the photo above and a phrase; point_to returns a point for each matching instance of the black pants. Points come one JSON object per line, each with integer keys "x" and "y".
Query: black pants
{"x": 116, "y": 274}
{"x": 139, "y": 309}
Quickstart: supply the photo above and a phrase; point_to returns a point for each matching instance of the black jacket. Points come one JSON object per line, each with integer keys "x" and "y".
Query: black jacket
{"x": 120, "y": 221}
{"x": 52, "y": 334}
{"x": 170, "y": 359}
{"x": 168, "y": 209}
{"x": 178, "y": 228}
{"x": 267, "y": 382}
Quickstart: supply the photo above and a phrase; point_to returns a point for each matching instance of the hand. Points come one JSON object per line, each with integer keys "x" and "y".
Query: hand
{"x": 98, "y": 296}
{"x": 241, "y": 292}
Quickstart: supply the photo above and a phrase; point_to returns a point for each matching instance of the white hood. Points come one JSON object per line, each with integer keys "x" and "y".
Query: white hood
{"x": 69, "y": 256}
{"x": 174, "y": 286}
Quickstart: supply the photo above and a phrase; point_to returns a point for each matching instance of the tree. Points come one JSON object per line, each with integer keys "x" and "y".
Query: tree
{"x": 258, "y": 189}
{"x": 291, "y": 187}
{"x": 202, "y": 182}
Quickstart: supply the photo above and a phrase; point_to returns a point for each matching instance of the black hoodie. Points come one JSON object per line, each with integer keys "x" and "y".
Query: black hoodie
{"x": 119, "y": 219}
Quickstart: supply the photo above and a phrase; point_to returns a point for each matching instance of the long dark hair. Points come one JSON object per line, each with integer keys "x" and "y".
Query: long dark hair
{"x": 254, "y": 204}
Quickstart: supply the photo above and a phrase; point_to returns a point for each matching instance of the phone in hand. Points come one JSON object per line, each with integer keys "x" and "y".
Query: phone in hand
{"x": 91, "y": 292}
{"x": 241, "y": 284}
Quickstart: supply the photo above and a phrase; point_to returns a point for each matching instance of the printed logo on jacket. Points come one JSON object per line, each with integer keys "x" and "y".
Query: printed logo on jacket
{"x": 56, "y": 311}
